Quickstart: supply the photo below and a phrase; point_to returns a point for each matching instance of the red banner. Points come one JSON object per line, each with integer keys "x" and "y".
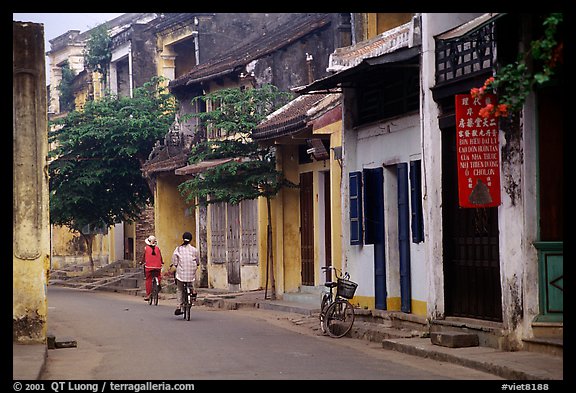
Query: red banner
{"x": 477, "y": 153}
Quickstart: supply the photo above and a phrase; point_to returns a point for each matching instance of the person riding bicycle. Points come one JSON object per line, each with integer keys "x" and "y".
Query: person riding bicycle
{"x": 152, "y": 261}
{"x": 185, "y": 260}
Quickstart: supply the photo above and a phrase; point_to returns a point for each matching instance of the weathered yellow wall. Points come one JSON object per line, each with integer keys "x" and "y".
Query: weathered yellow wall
{"x": 335, "y": 130}
{"x": 290, "y": 209}
{"x": 69, "y": 251}
{"x": 286, "y": 217}
{"x": 378, "y": 23}
{"x": 172, "y": 216}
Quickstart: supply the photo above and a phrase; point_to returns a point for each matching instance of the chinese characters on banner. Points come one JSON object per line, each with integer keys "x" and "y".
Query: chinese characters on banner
{"x": 477, "y": 153}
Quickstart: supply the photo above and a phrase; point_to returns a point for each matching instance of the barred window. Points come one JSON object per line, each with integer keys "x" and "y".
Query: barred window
{"x": 465, "y": 55}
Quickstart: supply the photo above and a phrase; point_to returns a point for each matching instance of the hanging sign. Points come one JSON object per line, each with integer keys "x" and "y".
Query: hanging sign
{"x": 477, "y": 153}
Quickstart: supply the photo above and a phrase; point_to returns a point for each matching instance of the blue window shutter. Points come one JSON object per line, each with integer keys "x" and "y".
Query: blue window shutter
{"x": 355, "y": 208}
{"x": 416, "y": 201}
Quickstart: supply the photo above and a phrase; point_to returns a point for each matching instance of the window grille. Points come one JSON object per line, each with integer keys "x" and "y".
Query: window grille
{"x": 466, "y": 55}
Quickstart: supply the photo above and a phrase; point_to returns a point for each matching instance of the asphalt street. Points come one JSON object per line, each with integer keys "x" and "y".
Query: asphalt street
{"x": 121, "y": 337}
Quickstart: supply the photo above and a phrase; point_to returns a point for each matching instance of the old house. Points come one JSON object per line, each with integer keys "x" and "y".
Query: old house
{"x": 497, "y": 268}
{"x": 382, "y": 230}
{"x": 279, "y": 49}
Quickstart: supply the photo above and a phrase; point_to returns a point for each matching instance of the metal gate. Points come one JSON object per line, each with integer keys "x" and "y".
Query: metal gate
{"x": 470, "y": 241}
{"x": 233, "y": 244}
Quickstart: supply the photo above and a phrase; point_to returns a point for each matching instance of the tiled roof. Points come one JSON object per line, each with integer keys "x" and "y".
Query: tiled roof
{"x": 289, "y": 119}
{"x": 386, "y": 42}
{"x": 167, "y": 159}
{"x": 242, "y": 55}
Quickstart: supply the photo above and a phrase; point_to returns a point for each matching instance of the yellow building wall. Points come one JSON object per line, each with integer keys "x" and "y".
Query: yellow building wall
{"x": 69, "y": 251}
{"x": 335, "y": 132}
{"x": 172, "y": 216}
{"x": 286, "y": 216}
{"x": 290, "y": 219}
{"x": 377, "y": 23}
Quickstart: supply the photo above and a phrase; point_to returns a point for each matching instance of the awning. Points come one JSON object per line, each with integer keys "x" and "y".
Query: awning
{"x": 202, "y": 166}
{"x": 344, "y": 78}
{"x": 470, "y": 26}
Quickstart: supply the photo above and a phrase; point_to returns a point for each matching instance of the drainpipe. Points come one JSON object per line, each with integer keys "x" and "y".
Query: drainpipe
{"x": 130, "y": 81}
{"x": 353, "y": 27}
{"x": 196, "y": 48}
{"x": 309, "y": 66}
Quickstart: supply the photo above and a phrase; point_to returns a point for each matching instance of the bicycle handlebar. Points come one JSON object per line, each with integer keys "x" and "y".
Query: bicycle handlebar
{"x": 346, "y": 275}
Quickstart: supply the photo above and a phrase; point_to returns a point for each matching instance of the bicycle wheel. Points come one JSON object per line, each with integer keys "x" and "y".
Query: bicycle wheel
{"x": 323, "y": 307}
{"x": 186, "y": 305}
{"x": 339, "y": 318}
{"x": 154, "y": 293}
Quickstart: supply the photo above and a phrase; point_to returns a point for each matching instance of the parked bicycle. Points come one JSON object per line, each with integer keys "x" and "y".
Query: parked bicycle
{"x": 336, "y": 312}
{"x": 189, "y": 299}
{"x": 153, "y": 299}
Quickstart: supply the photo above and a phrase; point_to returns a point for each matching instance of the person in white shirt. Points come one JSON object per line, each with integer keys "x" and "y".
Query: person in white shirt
{"x": 185, "y": 260}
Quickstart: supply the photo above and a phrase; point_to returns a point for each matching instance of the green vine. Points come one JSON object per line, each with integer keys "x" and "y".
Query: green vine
{"x": 98, "y": 52}
{"x": 66, "y": 88}
{"x": 513, "y": 82}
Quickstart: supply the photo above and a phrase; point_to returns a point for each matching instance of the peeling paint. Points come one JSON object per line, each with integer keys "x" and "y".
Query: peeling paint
{"x": 29, "y": 328}
{"x": 512, "y": 157}
{"x": 516, "y": 308}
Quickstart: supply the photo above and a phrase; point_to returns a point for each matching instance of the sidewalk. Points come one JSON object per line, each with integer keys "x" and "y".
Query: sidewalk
{"x": 29, "y": 360}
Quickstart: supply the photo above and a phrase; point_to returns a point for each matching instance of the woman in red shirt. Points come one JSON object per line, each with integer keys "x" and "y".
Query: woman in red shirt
{"x": 152, "y": 260}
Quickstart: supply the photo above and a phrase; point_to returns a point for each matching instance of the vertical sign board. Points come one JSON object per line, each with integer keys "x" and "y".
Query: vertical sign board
{"x": 477, "y": 153}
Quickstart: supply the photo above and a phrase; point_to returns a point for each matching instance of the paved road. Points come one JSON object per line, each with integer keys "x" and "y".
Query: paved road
{"x": 121, "y": 337}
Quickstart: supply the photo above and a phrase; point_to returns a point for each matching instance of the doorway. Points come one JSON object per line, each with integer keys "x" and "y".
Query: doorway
{"x": 471, "y": 248}
{"x": 307, "y": 227}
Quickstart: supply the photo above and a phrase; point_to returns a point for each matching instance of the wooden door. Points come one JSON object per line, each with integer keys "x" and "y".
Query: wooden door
{"x": 307, "y": 228}
{"x": 374, "y": 229}
{"x": 233, "y": 243}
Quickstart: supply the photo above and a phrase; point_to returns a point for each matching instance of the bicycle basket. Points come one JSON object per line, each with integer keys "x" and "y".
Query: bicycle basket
{"x": 346, "y": 288}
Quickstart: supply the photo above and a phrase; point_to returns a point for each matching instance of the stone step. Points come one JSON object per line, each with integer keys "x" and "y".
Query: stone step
{"x": 454, "y": 339}
{"x": 548, "y": 345}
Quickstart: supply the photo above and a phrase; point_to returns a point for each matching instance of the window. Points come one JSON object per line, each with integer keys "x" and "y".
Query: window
{"x": 218, "y": 232}
{"x": 388, "y": 93}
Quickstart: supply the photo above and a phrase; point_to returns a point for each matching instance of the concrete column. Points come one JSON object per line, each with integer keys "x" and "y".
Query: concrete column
{"x": 31, "y": 226}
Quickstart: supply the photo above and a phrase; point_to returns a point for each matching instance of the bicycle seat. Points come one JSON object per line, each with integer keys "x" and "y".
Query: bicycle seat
{"x": 330, "y": 284}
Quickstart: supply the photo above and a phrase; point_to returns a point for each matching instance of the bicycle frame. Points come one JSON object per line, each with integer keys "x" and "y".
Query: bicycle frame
{"x": 334, "y": 307}
{"x": 155, "y": 286}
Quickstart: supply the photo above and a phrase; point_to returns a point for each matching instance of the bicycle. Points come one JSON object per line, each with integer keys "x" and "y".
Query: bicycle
{"x": 189, "y": 298}
{"x": 155, "y": 287}
{"x": 336, "y": 312}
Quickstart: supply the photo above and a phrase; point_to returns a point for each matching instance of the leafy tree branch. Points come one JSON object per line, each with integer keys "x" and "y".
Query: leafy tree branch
{"x": 514, "y": 82}
{"x": 95, "y": 176}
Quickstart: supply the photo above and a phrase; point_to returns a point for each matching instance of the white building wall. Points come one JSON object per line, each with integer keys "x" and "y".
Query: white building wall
{"x": 384, "y": 144}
